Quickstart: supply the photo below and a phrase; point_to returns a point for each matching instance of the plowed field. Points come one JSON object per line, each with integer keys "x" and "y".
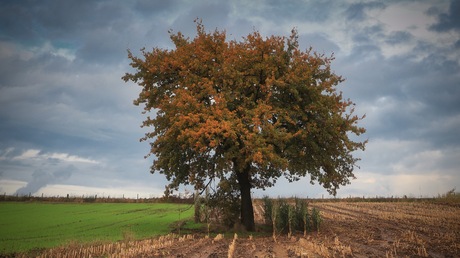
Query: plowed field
{"x": 349, "y": 229}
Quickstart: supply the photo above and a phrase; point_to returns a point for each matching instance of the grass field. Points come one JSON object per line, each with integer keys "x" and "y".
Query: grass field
{"x": 27, "y": 226}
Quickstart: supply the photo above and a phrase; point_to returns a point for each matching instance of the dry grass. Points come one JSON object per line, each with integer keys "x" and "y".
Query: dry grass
{"x": 232, "y": 247}
{"x": 125, "y": 248}
{"x": 400, "y": 228}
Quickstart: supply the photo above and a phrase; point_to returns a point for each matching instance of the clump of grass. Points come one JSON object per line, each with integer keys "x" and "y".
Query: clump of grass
{"x": 316, "y": 218}
{"x": 274, "y": 215}
{"x": 268, "y": 208}
{"x": 283, "y": 216}
{"x": 303, "y": 216}
{"x": 288, "y": 218}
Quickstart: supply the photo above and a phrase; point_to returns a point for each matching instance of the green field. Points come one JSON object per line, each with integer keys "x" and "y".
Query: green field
{"x": 27, "y": 226}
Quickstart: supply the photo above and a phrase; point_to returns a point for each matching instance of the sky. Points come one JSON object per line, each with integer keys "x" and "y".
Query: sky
{"x": 68, "y": 125}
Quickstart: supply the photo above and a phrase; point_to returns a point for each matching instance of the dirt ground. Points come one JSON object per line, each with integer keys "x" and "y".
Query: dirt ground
{"x": 349, "y": 229}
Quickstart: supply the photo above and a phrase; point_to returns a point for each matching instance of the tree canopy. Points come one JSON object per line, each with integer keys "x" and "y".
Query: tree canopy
{"x": 248, "y": 112}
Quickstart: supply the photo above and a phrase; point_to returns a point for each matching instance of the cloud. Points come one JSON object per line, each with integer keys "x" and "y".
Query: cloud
{"x": 28, "y": 154}
{"x": 70, "y": 158}
{"x": 398, "y": 185}
{"x": 449, "y": 20}
{"x": 399, "y": 37}
{"x": 216, "y": 13}
{"x": 320, "y": 42}
{"x": 34, "y": 155}
{"x": 9, "y": 187}
{"x": 357, "y": 11}
{"x": 37, "y": 155}
{"x": 299, "y": 11}
{"x": 42, "y": 178}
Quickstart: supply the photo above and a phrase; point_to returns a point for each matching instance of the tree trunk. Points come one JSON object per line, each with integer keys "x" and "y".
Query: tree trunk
{"x": 247, "y": 211}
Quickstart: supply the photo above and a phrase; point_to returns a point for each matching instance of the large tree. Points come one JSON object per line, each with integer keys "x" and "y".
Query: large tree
{"x": 247, "y": 112}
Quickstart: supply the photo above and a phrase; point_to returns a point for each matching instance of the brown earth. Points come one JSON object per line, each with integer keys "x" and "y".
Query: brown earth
{"x": 349, "y": 229}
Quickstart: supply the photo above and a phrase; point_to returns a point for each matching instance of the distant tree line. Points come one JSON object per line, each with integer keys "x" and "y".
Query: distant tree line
{"x": 95, "y": 199}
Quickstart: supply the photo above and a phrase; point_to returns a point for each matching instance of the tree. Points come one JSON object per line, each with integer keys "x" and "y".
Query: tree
{"x": 246, "y": 113}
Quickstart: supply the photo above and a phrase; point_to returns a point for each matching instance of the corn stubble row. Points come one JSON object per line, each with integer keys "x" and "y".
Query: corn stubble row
{"x": 150, "y": 247}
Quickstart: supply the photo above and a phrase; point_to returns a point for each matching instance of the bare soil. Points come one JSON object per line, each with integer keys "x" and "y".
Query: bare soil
{"x": 349, "y": 229}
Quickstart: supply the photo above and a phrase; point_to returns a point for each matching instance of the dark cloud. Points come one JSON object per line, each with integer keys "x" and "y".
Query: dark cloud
{"x": 98, "y": 32}
{"x": 457, "y": 44}
{"x": 368, "y": 34}
{"x": 298, "y": 10}
{"x": 104, "y": 46}
{"x": 291, "y": 11}
{"x": 319, "y": 43}
{"x": 405, "y": 99}
{"x": 17, "y": 21}
{"x": 448, "y": 21}
{"x": 30, "y": 21}
{"x": 213, "y": 15}
{"x": 42, "y": 178}
{"x": 152, "y": 8}
{"x": 398, "y": 37}
{"x": 357, "y": 11}
{"x": 364, "y": 52}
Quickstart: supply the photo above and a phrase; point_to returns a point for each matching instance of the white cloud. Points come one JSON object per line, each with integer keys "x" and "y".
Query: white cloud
{"x": 425, "y": 185}
{"x": 48, "y": 48}
{"x": 424, "y": 161}
{"x": 69, "y": 158}
{"x": 9, "y": 187}
{"x": 28, "y": 154}
{"x": 34, "y": 154}
{"x": 371, "y": 184}
{"x": 406, "y": 16}
{"x": 129, "y": 190}
{"x": 10, "y": 50}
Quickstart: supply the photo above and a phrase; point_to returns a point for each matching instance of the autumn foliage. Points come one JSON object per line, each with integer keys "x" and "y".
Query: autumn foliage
{"x": 245, "y": 112}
